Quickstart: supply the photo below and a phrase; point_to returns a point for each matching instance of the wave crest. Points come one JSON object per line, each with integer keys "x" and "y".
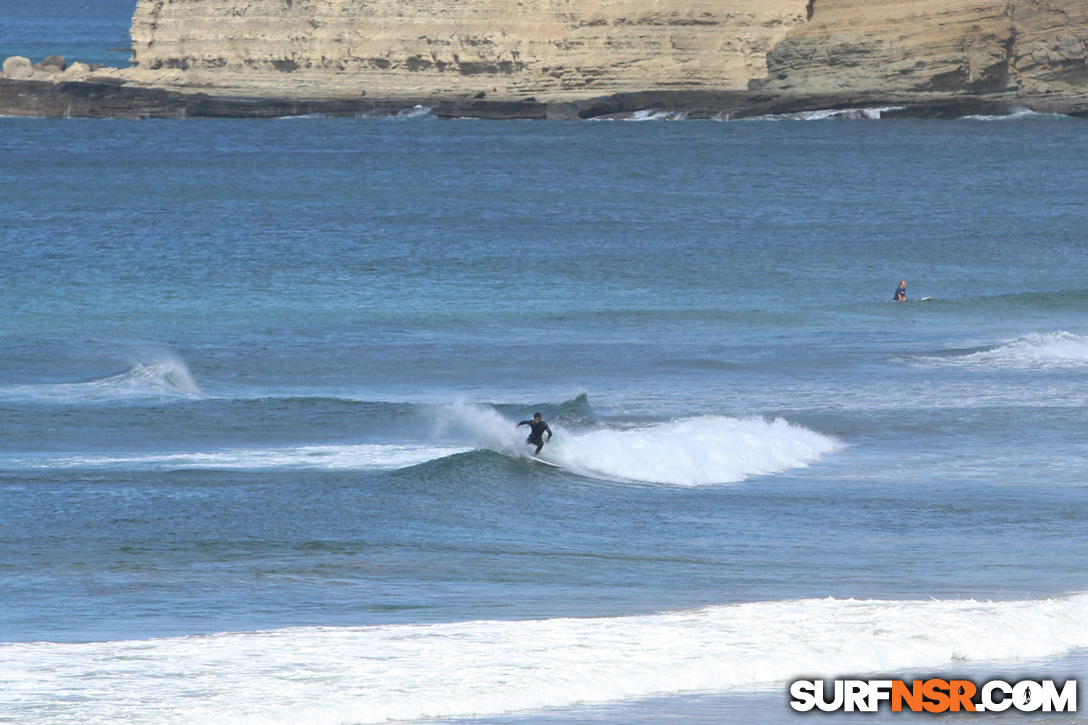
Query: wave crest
{"x": 167, "y": 376}
{"x": 1031, "y": 352}
{"x": 687, "y": 452}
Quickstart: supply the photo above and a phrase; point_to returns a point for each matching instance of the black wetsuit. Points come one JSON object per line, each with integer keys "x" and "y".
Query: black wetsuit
{"x": 536, "y": 433}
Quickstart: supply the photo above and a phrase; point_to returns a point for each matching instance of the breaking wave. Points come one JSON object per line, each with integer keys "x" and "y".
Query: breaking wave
{"x": 1054, "y": 350}
{"x": 406, "y": 672}
{"x": 165, "y": 377}
{"x": 687, "y": 452}
{"x": 1023, "y": 114}
{"x": 831, "y": 114}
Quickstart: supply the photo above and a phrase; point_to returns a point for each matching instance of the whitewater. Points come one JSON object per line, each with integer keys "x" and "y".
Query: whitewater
{"x": 399, "y": 672}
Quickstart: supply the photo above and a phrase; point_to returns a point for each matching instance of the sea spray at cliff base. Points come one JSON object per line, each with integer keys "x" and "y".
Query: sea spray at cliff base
{"x": 402, "y": 672}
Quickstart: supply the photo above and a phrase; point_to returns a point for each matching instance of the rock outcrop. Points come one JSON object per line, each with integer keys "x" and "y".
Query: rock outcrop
{"x": 910, "y": 49}
{"x": 578, "y": 58}
{"x": 52, "y": 68}
{"x": 18, "y": 67}
{"x": 1050, "y": 53}
{"x": 506, "y": 49}
{"x": 910, "y": 46}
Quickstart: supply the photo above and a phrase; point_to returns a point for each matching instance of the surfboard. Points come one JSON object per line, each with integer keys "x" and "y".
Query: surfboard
{"x": 546, "y": 463}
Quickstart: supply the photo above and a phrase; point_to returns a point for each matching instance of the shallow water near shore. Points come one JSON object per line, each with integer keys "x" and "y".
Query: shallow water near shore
{"x": 259, "y": 383}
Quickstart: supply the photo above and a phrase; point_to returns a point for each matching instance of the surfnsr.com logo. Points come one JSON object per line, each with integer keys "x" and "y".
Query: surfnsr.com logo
{"x": 933, "y": 695}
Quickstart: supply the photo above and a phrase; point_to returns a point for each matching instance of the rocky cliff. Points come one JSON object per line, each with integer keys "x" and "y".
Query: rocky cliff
{"x": 507, "y": 49}
{"x": 908, "y": 49}
{"x": 735, "y": 56}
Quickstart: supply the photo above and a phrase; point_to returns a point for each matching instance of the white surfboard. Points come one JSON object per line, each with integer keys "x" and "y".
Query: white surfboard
{"x": 546, "y": 463}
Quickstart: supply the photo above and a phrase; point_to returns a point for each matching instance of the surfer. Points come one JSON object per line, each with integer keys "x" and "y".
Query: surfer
{"x": 537, "y": 428}
{"x": 901, "y": 292}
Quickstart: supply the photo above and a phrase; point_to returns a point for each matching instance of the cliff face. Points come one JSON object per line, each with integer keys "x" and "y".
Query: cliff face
{"x": 1051, "y": 47}
{"x": 898, "y": 46}
{"x": 548, "y": 49}
{"x": 735, "y": 57}
{"x": 907, "y": 48}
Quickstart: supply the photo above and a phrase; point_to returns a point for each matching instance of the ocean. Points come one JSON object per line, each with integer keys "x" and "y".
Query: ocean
{"x": 259, "y": 383}
{"x": 88, "y": 31}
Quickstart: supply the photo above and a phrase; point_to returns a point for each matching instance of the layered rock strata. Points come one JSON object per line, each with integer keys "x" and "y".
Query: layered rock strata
{"x": 507, "y": 49}
{"x": 918, "y": 49}
{"x": 576, "y": 58}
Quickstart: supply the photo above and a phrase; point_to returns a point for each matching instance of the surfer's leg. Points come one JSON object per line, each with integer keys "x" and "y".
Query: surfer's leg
{"x": 537, "y": 451}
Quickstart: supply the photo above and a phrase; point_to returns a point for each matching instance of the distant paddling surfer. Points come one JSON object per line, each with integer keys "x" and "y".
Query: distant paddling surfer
{"x": 537, "y": 428}
{"x": 901, "y": 292}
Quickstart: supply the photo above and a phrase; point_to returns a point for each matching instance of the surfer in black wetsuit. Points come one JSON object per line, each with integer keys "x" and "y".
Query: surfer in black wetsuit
{"x": 901, "y": 292}
{"x": 537, "y": 428}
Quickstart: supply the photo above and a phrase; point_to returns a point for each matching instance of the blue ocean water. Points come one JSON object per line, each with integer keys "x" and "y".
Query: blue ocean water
{"x": 259, "y": 383}
{"x": 88, "y": 31}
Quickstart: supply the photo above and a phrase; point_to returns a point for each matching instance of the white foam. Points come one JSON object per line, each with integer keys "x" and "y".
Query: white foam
{"x": 648, "y": 114}
{"x": 658, "y": 114}
{"x": 417, "y": 111}
{"x": 1019, "y": 115}
{"x": 406, "y": 672}
{"x": 487, "y": 426}
{"x": 686, "y": 452}
{"x": 326, "y": 457}
{"x": 1036, "y": 351}
{"x": 852, "y": 114}
{"x": 694, "y": 451}
{"x": 166, "y": 376}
